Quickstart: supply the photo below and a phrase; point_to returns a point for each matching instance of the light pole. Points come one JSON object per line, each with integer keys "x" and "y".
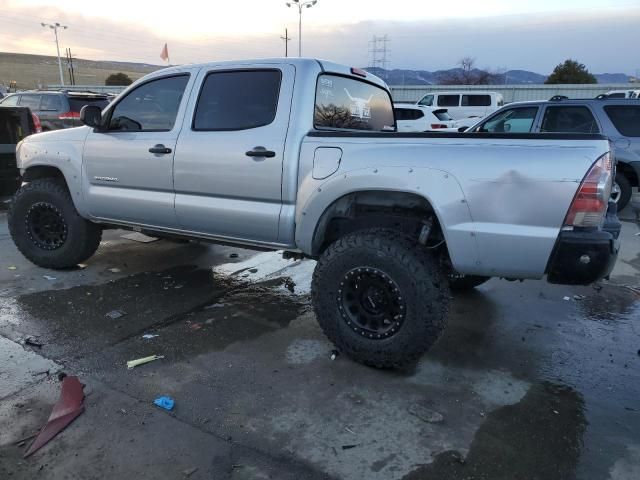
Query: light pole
{"x": 300, "y": 6}
{"x": 55, "y": 28}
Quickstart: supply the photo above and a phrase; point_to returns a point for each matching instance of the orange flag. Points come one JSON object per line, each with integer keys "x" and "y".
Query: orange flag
{"x": 164, "y": 54}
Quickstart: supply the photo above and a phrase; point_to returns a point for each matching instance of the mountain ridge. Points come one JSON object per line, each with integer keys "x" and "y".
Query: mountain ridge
{"x": 397, "y": 77}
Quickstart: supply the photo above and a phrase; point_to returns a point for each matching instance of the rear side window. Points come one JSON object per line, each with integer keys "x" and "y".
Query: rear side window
{"x": 512, "y": 120}
{"x": 476, "y": 100}
{"x": 350, "y": 104}
{"x": 51, "y": 103}
{"x": 626, "y": 119}
{"x": 448, "y": 100}
{"x": 442, "y": 115}
{"x": 31, "y": 101}
{"x": 11, "y": 101}
{"x": 76, "y": 103}
{"x": 569, "y": 119}
{"x": 408, "y": 114}
{"x": 238, "y": 100}
{"x": 153, "y": 106}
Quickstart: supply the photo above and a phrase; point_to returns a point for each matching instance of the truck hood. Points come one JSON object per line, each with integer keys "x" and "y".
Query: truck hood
{"x": 67, "y": 135}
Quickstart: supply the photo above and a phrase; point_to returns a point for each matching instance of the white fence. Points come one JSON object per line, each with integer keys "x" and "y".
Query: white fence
{"x": 511, "y": 93}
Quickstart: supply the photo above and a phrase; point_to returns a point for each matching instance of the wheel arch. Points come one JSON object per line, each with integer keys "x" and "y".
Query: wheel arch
{"x": 43, "y": 171}
{"x": 630, "y": 172}
{"x": 365, "y": 209}
{"x": 39, "y": 170}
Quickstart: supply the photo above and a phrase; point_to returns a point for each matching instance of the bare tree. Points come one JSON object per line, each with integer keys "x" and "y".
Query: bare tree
{"x": 468, "y": 74}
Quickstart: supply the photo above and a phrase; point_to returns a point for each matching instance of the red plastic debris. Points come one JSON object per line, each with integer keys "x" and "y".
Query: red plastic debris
{"x": 69, "y": 406}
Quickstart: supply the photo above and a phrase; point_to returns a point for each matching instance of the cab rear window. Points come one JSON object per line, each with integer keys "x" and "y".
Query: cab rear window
{"x": 348, "y": 104}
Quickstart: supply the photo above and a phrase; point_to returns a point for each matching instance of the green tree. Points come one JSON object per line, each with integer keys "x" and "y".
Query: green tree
{"x": 570, "y": 72}
{"x": 118, "y": 80}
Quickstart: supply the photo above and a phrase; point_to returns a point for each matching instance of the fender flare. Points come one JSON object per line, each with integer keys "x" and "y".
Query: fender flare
{"x": 438, "y": 188}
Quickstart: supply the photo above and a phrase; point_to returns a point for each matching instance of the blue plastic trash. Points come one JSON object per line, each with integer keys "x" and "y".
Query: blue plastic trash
{"x": 164, "y": 402}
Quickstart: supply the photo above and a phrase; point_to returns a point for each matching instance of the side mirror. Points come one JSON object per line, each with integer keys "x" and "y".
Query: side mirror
{"x": 91, "y": 115}
{"x": 463, "y": 129}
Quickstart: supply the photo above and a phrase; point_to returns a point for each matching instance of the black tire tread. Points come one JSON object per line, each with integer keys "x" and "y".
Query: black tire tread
{"x": 427, "y": 277}
{"x": 87, "y": 237}
{"x": 625, "y": 190}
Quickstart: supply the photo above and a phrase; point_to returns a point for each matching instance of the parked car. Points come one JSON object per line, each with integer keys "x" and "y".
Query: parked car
{"x": 417, "y": 118}
{"x": 16, "y": 123}
{"x": 56, "y": 109}
{"x": 233, "y": 153}
{"x": 464, "y": 104}
{"x": 619, "y": 120}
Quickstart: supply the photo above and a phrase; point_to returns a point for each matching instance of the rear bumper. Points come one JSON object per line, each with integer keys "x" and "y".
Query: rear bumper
{"x": 583, "y": 257}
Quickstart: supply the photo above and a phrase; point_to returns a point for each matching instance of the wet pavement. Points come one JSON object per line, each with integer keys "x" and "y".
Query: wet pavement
{"x": 523, "y": 385}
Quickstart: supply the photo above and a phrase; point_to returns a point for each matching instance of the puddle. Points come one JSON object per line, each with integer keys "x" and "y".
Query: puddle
{"x": 238, "y": 316}
{"x": 538, "y": 437}
{"x": 613, "y": 302}
{"x": 291, "y": 276}
{"x": 74, "y": 322}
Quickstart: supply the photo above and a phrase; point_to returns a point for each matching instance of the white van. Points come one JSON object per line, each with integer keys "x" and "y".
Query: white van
{"x": 464, "y": 104}
{"x": 623, "y": 94}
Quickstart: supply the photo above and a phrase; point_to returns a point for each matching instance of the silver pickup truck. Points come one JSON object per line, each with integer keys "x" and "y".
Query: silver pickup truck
{"x": 302, "y": 155}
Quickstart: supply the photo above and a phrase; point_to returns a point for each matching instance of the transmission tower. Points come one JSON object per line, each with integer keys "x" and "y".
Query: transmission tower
{"x": 379, "y": 52}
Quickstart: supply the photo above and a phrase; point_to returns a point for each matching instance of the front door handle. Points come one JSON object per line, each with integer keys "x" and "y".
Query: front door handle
{"x": 261, "y": 152}
{"x": 159, "y": 148}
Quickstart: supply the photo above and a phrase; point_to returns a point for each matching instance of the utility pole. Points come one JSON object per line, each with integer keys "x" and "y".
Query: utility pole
{"x": 286, "y": 39}
{"x": 300, "y": 6}
{"x": 72, "y": 74}
{"x": 378, "y": 50}
{"x": 55, "y": 27}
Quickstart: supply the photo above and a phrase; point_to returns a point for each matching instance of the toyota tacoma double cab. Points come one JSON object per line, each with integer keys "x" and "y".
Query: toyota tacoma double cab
{"x": 303, "y": 156}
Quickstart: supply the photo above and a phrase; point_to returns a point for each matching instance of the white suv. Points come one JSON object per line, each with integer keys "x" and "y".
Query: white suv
{"x": 416, "y": 118}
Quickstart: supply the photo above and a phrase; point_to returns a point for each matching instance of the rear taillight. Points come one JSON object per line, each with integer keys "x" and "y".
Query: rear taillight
{"x": 436, "y": 126}
{"x": 69, "y": 116}
{"x": 37, "y": 126}
{"x": 590, "y": 203}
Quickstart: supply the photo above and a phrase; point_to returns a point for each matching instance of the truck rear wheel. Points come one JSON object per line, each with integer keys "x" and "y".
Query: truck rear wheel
{"x": 46, "y": 227}
{"x": 621, "y": 193}
{"x": 380, "y": 298}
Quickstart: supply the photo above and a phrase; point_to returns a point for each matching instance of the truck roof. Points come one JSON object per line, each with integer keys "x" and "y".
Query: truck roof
{"x": 581, "y": 101}
{"x": 314, "y": 63}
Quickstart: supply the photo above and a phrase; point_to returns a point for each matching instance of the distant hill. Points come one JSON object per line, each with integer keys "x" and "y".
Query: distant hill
{"x": 511, "y": 77}
{"x": 33, "y": 71}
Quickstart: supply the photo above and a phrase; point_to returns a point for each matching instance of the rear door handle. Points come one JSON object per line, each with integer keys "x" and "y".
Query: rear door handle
{"x": 159, "y": 148}
{"x": 261, "y": 152}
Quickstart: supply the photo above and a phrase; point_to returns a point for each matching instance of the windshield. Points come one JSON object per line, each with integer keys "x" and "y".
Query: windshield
{"x": 350, "y": 104}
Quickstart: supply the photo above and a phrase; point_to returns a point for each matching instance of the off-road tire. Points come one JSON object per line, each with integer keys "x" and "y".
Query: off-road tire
{"x": 462, "y": 283}
{"x": 419, "y": 280}
{"x": 625, "y": 190}
{"x": 81, "y": 238}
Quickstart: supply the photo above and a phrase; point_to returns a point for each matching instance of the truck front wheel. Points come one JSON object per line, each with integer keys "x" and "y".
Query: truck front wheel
{"x": 380, "y": 298}
{"x": 46, "y": 227}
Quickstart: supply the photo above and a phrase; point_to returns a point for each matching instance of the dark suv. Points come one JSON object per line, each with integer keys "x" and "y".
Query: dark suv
{"x": 618, "y": 119}
{"x": 56, "y": 109}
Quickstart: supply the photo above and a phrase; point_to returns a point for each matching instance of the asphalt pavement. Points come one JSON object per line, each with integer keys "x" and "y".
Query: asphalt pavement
{"x": 530, "y": 380}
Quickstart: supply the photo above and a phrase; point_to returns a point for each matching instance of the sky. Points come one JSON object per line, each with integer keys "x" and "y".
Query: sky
{"x": 425, "y": 35}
